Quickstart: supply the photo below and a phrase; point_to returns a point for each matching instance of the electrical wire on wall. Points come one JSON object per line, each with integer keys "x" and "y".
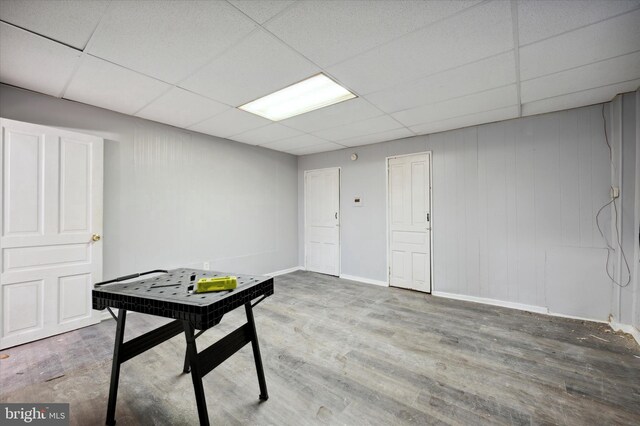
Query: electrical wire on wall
{"x": 610, "y": 247}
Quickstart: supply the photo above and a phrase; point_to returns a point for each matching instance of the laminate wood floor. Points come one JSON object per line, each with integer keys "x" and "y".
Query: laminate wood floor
{"x": 340, "y": 352}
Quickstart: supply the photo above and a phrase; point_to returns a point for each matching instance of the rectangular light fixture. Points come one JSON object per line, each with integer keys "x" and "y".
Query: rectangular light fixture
{"x": 315, "y": 92}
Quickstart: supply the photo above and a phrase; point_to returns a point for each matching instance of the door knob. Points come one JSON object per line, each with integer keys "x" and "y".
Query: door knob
{"x": 95, "y": 237}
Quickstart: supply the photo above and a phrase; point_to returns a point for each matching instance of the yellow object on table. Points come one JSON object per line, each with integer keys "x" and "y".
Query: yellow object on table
{"x": 206, "y": 285}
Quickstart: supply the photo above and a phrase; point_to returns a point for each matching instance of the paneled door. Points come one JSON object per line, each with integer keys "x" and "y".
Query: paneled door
{"x": 409, "y": 218}
{"x": 322, "y": 220}
{"x": 51, "y": 218}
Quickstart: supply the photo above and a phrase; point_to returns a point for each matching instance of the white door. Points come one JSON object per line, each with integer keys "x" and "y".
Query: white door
{"x": 51, "y": 182}
{"x": 322, "y": 220}
{"x": 410, "y": 222}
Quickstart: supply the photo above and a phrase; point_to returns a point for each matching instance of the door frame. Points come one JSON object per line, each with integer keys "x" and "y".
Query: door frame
{"x": 304, "y": 214}
{"x": 429, "y": 196}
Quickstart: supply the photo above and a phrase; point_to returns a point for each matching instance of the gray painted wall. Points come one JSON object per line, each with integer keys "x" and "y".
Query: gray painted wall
{"x": 514, "y": 207}
{"x": 513, "y": 202}
{"x": 627, "y": 299}
{"x": 176, "y": 198}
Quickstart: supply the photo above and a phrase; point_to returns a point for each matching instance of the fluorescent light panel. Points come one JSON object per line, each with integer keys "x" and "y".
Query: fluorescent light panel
{"x": 315, "y": 92}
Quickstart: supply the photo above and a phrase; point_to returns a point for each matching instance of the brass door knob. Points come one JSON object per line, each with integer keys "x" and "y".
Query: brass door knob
{"x": 96, "y": 237}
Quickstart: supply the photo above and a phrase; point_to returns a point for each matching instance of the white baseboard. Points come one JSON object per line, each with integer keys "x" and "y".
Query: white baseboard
{"x": 285, "y": 271}
{"x": 537, "y": 309}
{"x": 494, "y": 302}
{"x": 364, "y": 280}
{"x": 627, "y": 329}
{"x": 555, "y": 314}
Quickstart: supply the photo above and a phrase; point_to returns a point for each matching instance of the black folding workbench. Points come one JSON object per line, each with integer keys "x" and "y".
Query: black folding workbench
{"x": 169, "y": 294}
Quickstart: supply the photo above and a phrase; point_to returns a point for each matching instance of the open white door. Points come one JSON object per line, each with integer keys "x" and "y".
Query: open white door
{"x": 322, "y": 220}
{"x": 51, "y": 218}
{"x": 409, "y": 197}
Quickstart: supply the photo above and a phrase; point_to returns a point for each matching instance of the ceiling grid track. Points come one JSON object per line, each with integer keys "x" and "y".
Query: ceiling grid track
{"x": 581, "y": 26}
{"x": 63, "y": 92}
{"x": 444, "y": 71}
{"x": 64, "y": 89}
{"x": 220, "y": 54}
{"x": 40, "y": 35}
{"x": 104, "y": 12}
{"x": 586, "y": 90}
{"x": 83, "y": 53}
{"x": 389, "y": 41}
{"x": 542, "y": 75}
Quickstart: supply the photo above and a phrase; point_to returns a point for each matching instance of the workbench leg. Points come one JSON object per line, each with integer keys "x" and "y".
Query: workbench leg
{"x": 115, "y": 368}
{"x": 192, "y": 355}
{"x": 186, "y": 369}
{"x": 256, "y": 352}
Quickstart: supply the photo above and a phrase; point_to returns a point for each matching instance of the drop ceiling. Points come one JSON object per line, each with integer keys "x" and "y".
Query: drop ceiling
{"x": 417, "y": 67}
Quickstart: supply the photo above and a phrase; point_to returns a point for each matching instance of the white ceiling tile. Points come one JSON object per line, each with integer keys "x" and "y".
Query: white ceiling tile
{"x": 431, "y": 65}
{"x": 316, "y": 149}
{"x": 604, "y": 73}
{"x": 296, "y": 142}
{"x": 170, "y": 39}
{"x": 467, "y": 120}
{"x": 106, "y": 85}
{"x": 471, "y": 78}
{"x": 181, "y": 108}
{"x": 257, "y": 66}
{"x": 579, "y": 99}
{"x": 266, "y": 134}
{"x": 68, "y": 21}
{"x": 33, "y": 62}
{"x": 359, "y": 128}
{"x": 328, "y": 32}
{"x": 474, "y": 34}
{"x": 471, "y": 104}
{"x": 541, "y": 19}
{"x": 263, "y": 10}
{"x": 389, "y": 135}
{"x": 229, "y": 123}
{"x": 607, "y": 39}
{"x": 335, "y": 115}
